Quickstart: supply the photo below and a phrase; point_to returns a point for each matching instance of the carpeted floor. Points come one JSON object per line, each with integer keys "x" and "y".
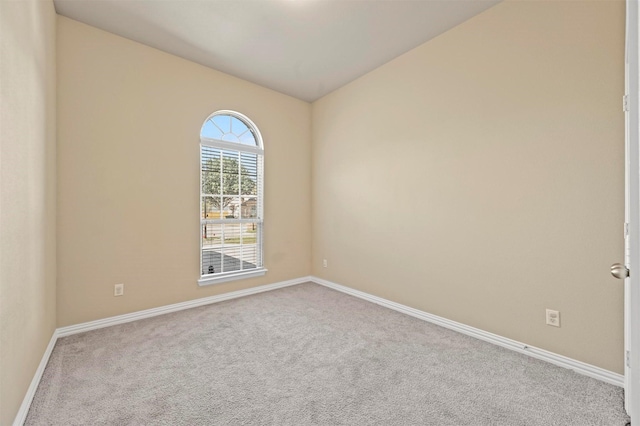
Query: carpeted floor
{"x": 306, "y": 355}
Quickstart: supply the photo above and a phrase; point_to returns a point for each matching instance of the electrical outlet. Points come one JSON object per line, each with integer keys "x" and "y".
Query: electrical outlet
{"x": 324, "y": 263}
{"x": 118, "y": 290}
{"x": 553, "y": 318}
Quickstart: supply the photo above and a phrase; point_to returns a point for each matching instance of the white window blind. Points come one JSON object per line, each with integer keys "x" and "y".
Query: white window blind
{"x": 231, "y": 222}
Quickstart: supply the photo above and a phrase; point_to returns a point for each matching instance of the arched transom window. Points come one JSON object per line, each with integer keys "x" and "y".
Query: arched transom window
{"x": 231, "y": 186}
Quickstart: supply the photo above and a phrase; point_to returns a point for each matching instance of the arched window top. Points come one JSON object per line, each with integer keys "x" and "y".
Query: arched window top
{"x": 231, "y": 127}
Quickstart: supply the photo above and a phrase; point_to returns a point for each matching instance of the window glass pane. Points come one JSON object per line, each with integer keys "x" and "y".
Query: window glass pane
{"x": 237, "y": 126}
{"x": 209, "y": 152}
{"x": 211, "y": 245}
{"x": 211, "y": 235}
{"x": 230, "y": 182}
{"x": 211, "y": 262}
{"x": 210, "y": 208}
{"x": 249, "y": 209}
{"x": 249, "y": 174}
{"x": 250, "y": 245}
{"x": 249, "y": 233}
{"x": 232, "y": 248}
{"x": 210, "y": 171}
{"x": 232, "y": 233}
{"x": 218, "y": 205}
{"x": 209, "y": 130}
{"x": 232, "y": 259}
{"x": 223, "y": 122}
{"x": 230, "y": 207}
{"x": 248, "y": 139}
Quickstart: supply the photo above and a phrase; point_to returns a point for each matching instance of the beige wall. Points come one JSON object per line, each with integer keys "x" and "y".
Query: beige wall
{"x": 129, "y": 120}
{"x": 27, "y": 194}
{"x": 480, "y": 177}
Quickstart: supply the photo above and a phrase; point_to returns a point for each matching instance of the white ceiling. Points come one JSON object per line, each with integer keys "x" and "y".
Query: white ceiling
{"x": 304, "y": 48}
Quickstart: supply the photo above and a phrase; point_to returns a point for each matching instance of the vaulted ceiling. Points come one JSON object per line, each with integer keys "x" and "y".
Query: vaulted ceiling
{"x": 304, "y": 48}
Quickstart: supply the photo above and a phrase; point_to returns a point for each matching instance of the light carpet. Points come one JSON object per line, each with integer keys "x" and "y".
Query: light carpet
{"x": 306, "y": 355}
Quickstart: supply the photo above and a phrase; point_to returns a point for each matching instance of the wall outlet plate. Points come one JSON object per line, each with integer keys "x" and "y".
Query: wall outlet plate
{"x": 118, "y": 290}
{"x": 553, "y": 318}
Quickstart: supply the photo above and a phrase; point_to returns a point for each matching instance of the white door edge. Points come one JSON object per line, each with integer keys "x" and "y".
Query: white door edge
{"x": 632, "y": 214}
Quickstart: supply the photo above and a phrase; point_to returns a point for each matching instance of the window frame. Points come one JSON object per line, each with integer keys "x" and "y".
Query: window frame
{"x": 239, "y": 148}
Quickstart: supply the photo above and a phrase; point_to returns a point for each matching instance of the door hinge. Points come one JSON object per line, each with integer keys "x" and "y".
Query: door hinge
{"x": 625, "y": 103}
{"x": 626, "y": 229}
{"x": 628, "y": 359}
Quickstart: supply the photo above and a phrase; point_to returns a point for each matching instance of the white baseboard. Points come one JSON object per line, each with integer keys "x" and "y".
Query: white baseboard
{"x": 560, "y": 360}
{"x": 553, "y": 358}
{"x": 148, "y": 313}
{"x": 31, "y": 391}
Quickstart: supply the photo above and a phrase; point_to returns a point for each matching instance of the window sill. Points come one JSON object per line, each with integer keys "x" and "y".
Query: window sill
{"x": 231, "y": 276}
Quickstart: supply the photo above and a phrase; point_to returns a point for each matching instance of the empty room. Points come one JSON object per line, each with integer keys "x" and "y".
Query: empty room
{"x": 319, "y": 212}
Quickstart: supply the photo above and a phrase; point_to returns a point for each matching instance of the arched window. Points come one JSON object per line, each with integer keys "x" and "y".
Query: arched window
{"x": 231, "y": 185}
